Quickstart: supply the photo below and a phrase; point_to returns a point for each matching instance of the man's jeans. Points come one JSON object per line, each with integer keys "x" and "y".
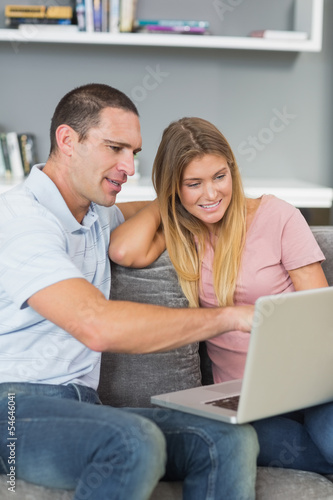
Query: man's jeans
{"x": 61, "y": 437}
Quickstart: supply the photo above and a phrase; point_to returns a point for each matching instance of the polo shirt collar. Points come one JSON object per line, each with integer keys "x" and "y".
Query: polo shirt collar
{"x": 48, "y": 195}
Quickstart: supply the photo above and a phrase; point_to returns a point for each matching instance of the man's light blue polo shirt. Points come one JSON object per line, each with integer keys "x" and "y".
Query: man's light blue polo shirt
{"x": 41, "y": 243}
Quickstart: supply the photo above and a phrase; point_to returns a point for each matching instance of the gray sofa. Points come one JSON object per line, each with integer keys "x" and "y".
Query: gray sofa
{"x": 130, "y": 380}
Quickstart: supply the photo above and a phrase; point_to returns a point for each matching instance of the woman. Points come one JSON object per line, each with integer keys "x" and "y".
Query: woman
{"x": 228, "y": 249}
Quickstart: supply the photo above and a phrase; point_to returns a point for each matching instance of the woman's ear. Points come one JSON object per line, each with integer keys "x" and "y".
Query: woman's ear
{"x": 66, "y": 138}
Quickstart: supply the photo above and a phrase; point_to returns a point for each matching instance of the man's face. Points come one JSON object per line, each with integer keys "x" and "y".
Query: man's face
{"x": 102, "y": 162}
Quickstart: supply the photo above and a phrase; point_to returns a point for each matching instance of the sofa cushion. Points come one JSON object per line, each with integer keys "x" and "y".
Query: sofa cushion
{"x": 274, "y": 483}
{"x": 28, "y": 491}
{"x": 130, "y": 380}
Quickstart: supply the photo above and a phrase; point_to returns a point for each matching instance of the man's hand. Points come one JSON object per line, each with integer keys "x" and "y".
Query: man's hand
{"x": 242, "y": 317}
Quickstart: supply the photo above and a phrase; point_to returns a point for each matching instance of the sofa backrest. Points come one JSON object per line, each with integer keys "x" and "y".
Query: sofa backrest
{"x": 324, "y": 237}
{"x": 130, "y": 380}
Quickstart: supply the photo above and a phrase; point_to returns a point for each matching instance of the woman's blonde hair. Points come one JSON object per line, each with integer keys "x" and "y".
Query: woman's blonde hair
{"x": 182, "y": 142}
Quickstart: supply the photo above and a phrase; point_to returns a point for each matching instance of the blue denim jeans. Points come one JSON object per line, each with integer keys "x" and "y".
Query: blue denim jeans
{"x": 299, "y": 440}
{"x": 61, "y": 437}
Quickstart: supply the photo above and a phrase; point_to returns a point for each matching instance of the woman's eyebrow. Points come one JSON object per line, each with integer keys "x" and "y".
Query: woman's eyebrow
{"x": 220, "y": 171}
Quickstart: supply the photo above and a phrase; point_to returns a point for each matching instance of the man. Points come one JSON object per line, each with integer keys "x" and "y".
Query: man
{"x": 56, "y": 319}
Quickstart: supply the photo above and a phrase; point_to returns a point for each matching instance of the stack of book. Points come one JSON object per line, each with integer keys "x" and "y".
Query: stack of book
{"x": 113, "y": 16}
{"x": 53, "y": 15}
{"x": 17, "y": 154}
{"x": 174, "y": 26}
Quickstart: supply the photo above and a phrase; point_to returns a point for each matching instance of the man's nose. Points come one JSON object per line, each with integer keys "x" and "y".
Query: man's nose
{"x": 127, "y": 164}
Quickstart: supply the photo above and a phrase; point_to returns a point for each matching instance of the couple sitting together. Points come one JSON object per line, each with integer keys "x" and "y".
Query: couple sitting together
{"x": 55, "y": 281}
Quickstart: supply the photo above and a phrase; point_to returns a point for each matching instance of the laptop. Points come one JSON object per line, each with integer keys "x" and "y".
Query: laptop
{"x": 289, "y": 365}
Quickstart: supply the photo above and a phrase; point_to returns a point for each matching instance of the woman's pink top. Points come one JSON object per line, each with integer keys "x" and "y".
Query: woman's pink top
{"x": 278, "y": 240}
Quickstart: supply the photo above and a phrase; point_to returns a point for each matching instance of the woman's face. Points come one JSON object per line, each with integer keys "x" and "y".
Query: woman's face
{"x": 206, "y": 189}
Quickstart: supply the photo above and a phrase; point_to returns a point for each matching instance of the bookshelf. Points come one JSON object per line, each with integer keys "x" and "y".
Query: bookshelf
{"x": 308, "y": 17}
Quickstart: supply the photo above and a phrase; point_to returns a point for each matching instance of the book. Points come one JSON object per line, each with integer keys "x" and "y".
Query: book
{"x": 33, "y": 28}
{"x": 97, "y": 15}
{"x": 39, "y": 11}
{"x": 179, "y": 26}
{"x": 89, "y": 11}
{"x": 127, "y": 15}
{"x": 139, "y": 23}
{"x": 14, "y": 154}
{"x": 18, "y": 21}
{"x": 186, "y": 30}
{"x": 279, "y": 35}
{"x": 105, "y": 15}
{"x": 4, "y": 147}
{"x": 3, "y": 167}
{"x": 80, "y": 10}
{"x": 114, "y": 13}
{"x": 27, "y": 143}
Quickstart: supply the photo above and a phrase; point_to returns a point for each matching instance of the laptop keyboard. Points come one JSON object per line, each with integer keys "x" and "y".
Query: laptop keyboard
{"x": 228, "y": 403}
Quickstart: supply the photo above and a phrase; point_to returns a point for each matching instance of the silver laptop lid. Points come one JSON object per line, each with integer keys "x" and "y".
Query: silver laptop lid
{"x": 290, "y": 359}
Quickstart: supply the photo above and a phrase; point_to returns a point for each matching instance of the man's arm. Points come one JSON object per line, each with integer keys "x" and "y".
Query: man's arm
{"x": 118, "y": 326}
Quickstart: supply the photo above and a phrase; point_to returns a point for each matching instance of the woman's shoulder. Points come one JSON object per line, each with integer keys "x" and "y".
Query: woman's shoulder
{"x": 269, "y": 202}
{"x": 252, "y": 205}
{"x": 268, "y": 208}
{"x": 275, "y": 202}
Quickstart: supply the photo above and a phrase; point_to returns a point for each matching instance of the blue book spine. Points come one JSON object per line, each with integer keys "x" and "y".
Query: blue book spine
{"x": 81, "y": 14}
{"x": 171, "y": 22}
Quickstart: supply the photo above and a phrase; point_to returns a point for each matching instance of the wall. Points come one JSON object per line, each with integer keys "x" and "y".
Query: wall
{"x": 243, "y": 92}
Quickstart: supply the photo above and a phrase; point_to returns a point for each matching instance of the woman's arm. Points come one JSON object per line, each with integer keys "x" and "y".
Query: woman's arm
{"x": 306, "y": 277}
{"x": 140, "y": 239}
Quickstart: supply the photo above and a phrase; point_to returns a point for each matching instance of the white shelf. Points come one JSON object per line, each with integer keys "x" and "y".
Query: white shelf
{"x": 157, "y": 40}
{"x": 308, "y": 18}
{"x": 299, "y": 193}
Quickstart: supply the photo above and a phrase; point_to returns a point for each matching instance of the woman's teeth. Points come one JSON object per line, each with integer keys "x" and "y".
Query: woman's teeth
{"x": 211, "y": 206}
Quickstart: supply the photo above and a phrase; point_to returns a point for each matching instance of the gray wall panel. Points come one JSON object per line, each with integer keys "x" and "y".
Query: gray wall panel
{"x": 242, "y": 92}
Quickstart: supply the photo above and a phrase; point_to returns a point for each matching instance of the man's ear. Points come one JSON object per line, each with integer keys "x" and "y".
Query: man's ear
{"x": 66, "y": 138}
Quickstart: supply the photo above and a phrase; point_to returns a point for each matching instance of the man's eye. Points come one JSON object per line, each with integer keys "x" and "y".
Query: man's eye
{"x": 116, "y": 149}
